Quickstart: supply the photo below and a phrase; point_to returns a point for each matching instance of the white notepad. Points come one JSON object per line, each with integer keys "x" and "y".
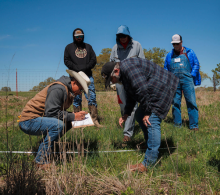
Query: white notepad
{"x": 84, "y": 123}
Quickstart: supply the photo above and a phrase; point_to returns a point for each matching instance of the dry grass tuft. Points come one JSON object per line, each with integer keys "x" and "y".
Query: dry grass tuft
{"x": 22, "y": 179}
{"x": 81, "y": 181}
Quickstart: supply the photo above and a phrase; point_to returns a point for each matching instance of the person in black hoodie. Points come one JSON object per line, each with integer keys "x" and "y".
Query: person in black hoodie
{"x": 79, "y": 56}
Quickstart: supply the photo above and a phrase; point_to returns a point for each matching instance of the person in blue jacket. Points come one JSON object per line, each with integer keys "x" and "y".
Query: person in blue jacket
{"x": 183, "y": 62}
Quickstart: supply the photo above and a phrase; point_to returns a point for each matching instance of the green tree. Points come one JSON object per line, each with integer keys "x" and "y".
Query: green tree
{"x": 6, "y": 89}
{"x": 101, "y": 60}
{"x": 156, "y": 55}
{"x": 216, "y": 77}
{"x": 43, "y": 84}
{"x": 203, "y": 76}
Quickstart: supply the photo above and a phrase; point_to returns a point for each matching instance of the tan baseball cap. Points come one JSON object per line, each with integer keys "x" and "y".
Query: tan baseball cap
{"x": 78, "y": 33}
{"x": 82, "y": 78}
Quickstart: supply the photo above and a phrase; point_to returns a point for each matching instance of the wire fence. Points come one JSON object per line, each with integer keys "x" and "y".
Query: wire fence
{"x": 25, "y": 80}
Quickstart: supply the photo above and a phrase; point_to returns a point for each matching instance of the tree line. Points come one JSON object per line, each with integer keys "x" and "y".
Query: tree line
{"x": 156, "y": 55}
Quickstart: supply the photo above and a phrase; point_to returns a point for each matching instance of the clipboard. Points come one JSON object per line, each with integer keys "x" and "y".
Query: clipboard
{"x": 84, "y": 123}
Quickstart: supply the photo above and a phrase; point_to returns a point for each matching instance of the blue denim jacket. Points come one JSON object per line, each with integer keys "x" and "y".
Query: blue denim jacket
{"x": 194, "y": 62}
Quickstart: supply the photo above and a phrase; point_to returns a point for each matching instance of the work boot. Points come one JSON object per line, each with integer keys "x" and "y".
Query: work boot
{"x": 94, "y": 114}
{"x": 195, "y": 129}
{"x": 44, "y": 167}
{"x": 138, "y": 167}
{"x": 77, "y": 109}
{"x": 125, "y": 140}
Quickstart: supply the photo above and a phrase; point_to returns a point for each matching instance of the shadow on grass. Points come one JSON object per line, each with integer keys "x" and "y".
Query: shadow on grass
{"x": 185, "y": 122}
{"x": 137, "y": 129}
{"x": 168, "y": 119}
{"x": 215, "y": 163}
{"x": 163, "y": 150}
{"x": 117, "y": 145}
{"x": 141, "y": 144}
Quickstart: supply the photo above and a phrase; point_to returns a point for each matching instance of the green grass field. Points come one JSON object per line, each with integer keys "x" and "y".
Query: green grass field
{"x": 191, "y": 165}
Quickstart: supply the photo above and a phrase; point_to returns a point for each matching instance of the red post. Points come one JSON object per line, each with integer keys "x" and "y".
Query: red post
{"x": 16, "y": 83}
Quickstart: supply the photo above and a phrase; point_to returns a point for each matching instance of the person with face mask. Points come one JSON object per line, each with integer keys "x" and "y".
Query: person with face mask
{"x": 124, "y": 48}
{"x": 79, "y": 56}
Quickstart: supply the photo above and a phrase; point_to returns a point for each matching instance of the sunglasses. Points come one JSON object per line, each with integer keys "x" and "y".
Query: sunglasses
{"x": 175, "y": 43}
{"x": 122, "y": 36}
{"x": 80, "y": 36}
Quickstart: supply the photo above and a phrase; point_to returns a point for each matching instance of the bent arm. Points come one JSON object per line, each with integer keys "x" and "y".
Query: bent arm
{"x": 113, "y": 57}
{"x": 130, "y": 104}
{"x": 196, "y": 66}
{"x": 53, "y": 105}
{"x": 166, "y": 63}
{"x": 92, "y": 60}
{"x": 141, "y": 52}
{"x": 68, "y": 61}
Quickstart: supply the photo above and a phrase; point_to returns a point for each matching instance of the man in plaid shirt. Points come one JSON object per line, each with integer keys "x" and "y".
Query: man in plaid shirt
{"x": 154, "y": 88}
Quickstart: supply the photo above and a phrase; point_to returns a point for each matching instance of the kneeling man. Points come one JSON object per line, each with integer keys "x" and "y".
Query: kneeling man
{"x": 45, "y": 114}
{"x": 154, "y": 88}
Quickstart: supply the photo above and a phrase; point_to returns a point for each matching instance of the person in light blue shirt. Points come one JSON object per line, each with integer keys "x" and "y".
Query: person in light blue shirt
{"x": 124, "y": 48}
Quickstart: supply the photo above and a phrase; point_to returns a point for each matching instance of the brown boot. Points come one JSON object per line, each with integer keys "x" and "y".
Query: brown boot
{"x": 44, "y": 167}
{"x": 77, "y": 109}
{"x": 138, "y": 167}
{"x": 94, "y": 114}
{"x": 195, "y": 129}
{"x": 125, "y": 140}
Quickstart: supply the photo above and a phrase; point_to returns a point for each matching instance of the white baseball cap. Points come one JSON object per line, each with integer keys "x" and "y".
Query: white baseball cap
{"x": 82, "y": 78}
{"x": 176, "y": 38}
{"x": 78, "y": 33}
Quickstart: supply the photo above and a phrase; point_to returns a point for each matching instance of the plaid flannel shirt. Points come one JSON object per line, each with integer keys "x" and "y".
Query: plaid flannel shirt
{"x": 149, "y": 84}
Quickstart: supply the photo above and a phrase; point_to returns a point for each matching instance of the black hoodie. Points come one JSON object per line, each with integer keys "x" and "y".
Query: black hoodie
{"x": 79, "y": 64}
{"x": 56, "y": 96}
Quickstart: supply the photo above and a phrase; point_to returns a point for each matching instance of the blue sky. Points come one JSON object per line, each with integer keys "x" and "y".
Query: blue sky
{"x": 38, "y": 31}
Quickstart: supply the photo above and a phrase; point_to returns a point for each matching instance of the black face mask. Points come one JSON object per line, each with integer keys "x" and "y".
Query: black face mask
{"x": 121, "y": 36}
{"x": 79, "y": 44}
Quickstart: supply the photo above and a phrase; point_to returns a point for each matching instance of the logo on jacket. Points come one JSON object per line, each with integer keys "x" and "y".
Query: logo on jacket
{"x": 81, "y": 53}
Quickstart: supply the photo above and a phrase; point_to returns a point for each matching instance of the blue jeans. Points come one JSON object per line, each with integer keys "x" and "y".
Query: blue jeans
{"x": 152, "y": 136}
{"x": 92, "y": 95}
{"x": 187, "y": 86}
{"x": 51, "y": 128}
{"x": 130, "y": 122}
